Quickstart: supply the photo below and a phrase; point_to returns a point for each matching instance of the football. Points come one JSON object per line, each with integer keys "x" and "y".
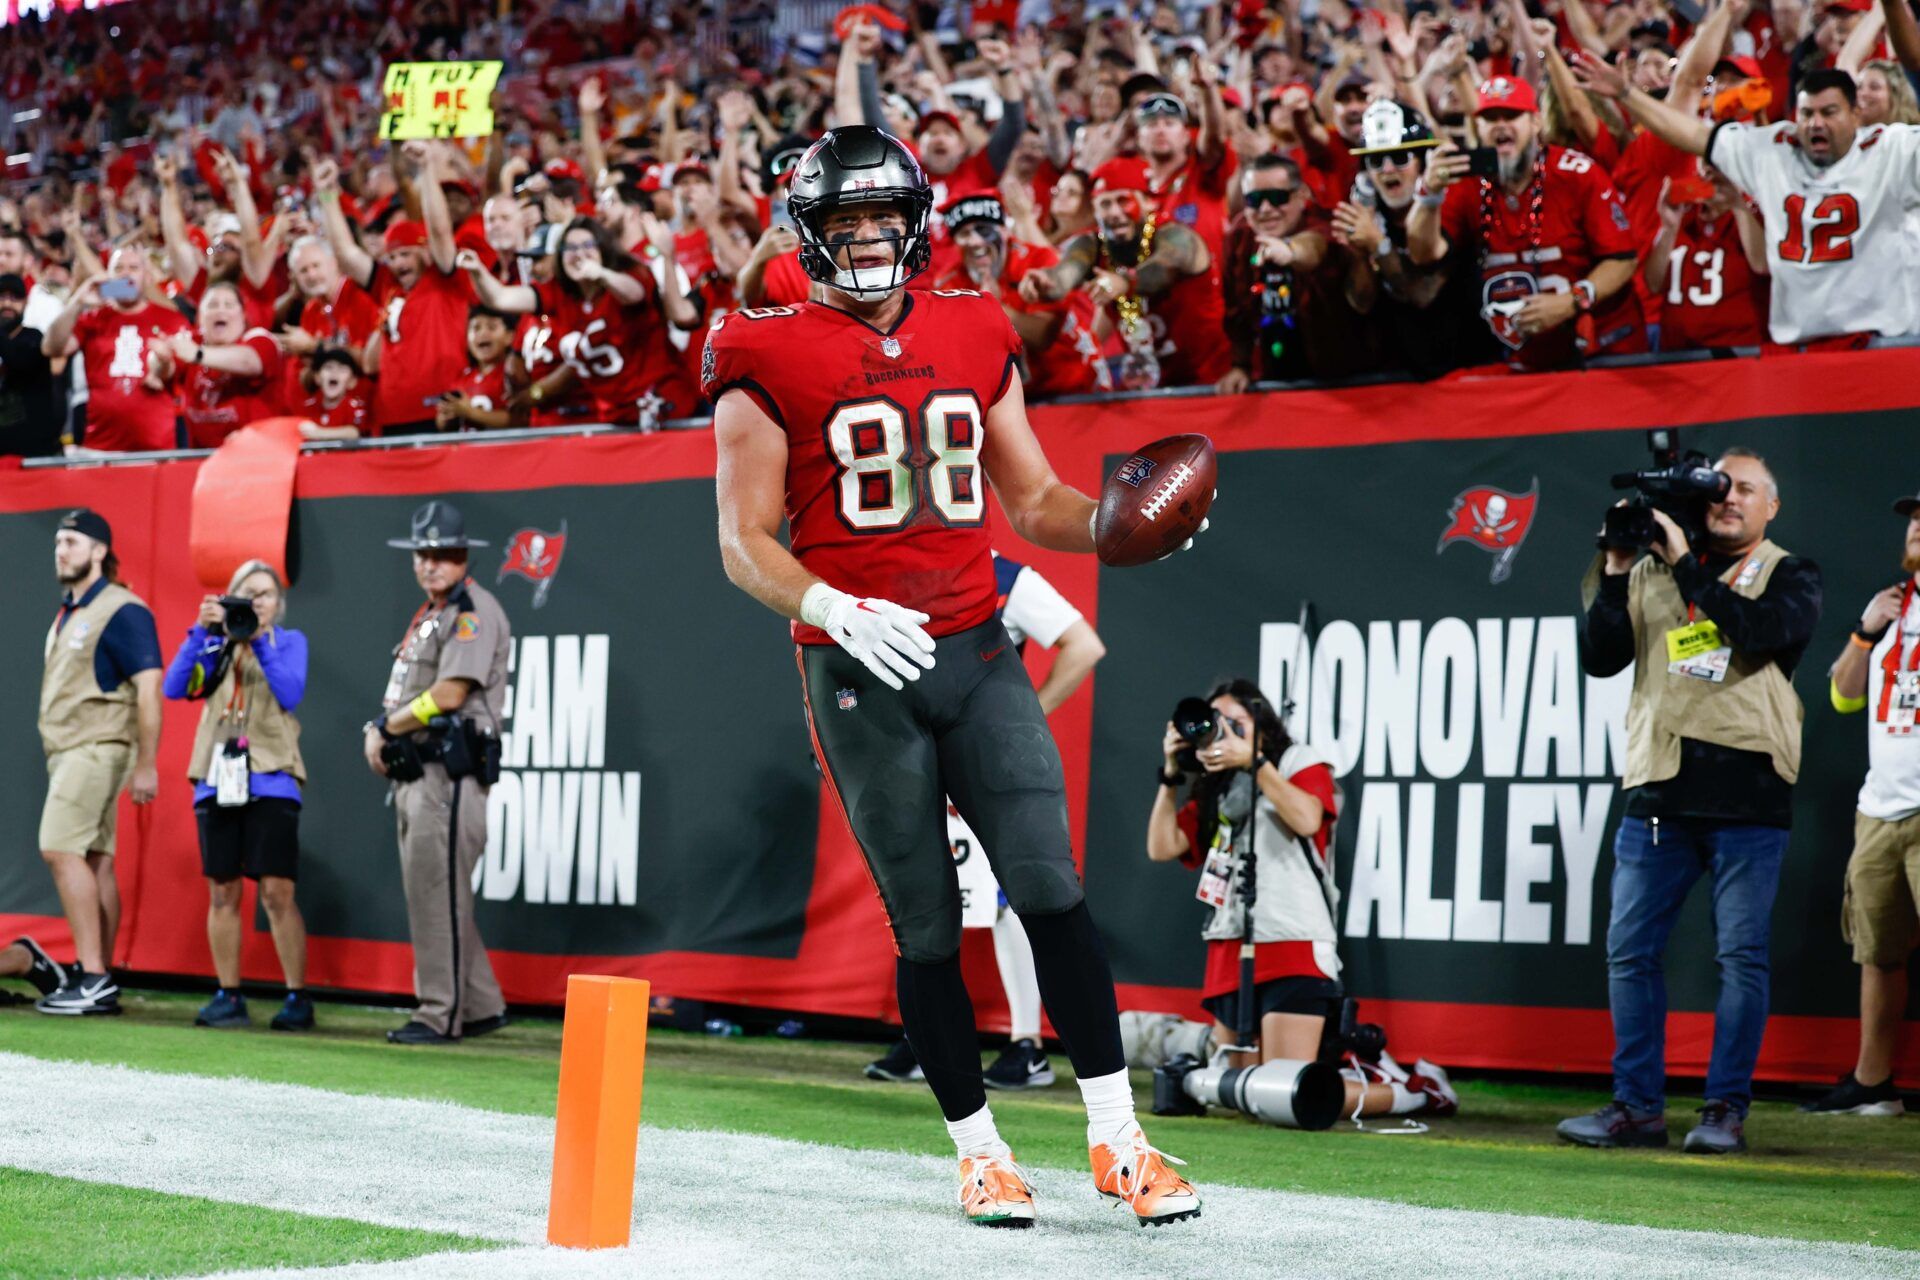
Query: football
{"x": 1155, "y": 500}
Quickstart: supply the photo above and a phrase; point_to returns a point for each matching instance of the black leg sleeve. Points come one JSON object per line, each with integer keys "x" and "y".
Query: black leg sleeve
{"x": 938, "y": 1016}
{"x": 1076, "y": 985}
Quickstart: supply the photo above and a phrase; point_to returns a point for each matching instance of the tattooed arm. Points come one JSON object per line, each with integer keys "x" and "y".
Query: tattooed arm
{"x": 1078, "y": 259}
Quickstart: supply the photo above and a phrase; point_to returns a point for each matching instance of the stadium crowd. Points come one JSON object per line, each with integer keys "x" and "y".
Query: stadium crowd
{"x": 203, "y": 227}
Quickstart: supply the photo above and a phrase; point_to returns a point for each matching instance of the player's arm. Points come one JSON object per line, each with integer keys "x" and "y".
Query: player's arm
{"x": 1040, "y": 508}
{"x": 751, "y": 479}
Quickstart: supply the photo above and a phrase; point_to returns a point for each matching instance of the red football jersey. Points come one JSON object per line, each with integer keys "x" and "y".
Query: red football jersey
{"x": 423, "y": 344}
{"x": 1071, "y": 362}
{"x": 216, "y": 404}
{"x": 1188, "y": 324}
{"x": 1582, "y": 221}
{"x": 1713, "y": 298}
{"x": 1196, "y": 197}
{"x": 485, "y": 388}
{"x": 352, "y": 411}
{"x": 122, "y": 413}
{"x": 539, "y": 350}
{"x": 347, "y": 320}
{"x": 257, "y": 302}
{"x": 621, "y": 353}
{"x": 885, "y": 494}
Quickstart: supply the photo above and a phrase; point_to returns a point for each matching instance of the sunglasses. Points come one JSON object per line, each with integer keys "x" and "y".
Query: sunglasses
{"x": 1274, "y": 197}
{"x": 1159, "y": 104}
{"x": 1381, "y": 159}
{"x": 1457, "y": 120}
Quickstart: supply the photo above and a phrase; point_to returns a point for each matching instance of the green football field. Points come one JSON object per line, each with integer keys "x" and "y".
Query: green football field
{"x": 1808, "y": 1178}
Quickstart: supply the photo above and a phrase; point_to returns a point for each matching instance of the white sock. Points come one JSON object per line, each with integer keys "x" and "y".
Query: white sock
{"x": 1405, "y": 1100}
{"x": 1015, "y": 955}
{"x": 1109, "y": 1102}
{"x": 976, "y": 1136}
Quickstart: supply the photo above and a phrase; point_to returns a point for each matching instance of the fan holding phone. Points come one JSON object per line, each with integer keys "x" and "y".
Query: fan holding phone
{"x": 1709, "y": 264}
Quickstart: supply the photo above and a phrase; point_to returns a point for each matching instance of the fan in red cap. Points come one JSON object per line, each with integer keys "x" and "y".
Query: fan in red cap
{"x": 1556, "y": 248}
{"x": 1140, "y": 265}
{"x": 952, "y": 167}
{"x": 1188, "y": 161}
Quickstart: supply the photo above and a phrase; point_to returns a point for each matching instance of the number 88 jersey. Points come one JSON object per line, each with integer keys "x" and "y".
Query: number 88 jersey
{"x": 1836, "y": 238}
{"x": 886, "y": 495}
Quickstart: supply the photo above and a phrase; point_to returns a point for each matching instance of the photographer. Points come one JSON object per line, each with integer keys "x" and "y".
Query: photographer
{"x": 247, "y": 774}
{"x": 1243, "y": 754}
{"x": 1713, "y": 748}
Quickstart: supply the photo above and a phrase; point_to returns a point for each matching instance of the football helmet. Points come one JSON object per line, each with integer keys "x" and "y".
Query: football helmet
{"x": 859, "y": 164}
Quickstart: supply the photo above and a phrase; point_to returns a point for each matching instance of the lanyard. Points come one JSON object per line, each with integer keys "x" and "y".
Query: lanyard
{"x": 1724, "y": 580}
{"x": 236, "y": 712}
{"x": 1890, "y": 664}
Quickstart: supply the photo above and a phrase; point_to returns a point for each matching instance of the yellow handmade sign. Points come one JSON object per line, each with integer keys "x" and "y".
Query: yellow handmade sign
{"x": 439, "y": 100}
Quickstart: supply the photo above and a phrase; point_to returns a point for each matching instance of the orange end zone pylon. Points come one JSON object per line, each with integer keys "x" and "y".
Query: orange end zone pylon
{"x": 603, "y": 1054}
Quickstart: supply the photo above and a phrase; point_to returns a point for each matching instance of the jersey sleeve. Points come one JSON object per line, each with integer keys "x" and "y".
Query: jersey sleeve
{"x": 643, "y": 277}
{"x": 1038, "y": 609}
{"x": 129, "y": 644}
{"x": 1735, "y": 150}
{"x": 1005, "y": 339}
{"x": 1902, "y": 141}
{"x": 732, "y": 358}
{"x": 1603, "y": 216}
{"x": 267, "y": 349}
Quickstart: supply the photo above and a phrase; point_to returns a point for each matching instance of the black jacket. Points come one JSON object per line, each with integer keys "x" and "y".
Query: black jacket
{"x": 33, "y": 404}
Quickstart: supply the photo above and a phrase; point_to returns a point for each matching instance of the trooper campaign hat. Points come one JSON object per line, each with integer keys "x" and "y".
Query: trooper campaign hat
{"x": 437, "y": 526}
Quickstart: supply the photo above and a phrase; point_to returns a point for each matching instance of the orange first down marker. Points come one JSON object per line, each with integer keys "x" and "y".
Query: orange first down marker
{"x": 603, "y": 1052}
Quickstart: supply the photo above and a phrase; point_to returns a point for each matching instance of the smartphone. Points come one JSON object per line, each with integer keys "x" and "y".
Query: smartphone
{"x": 119, "y": 289}
{"x": 1483, "y": 162}
{"x": 1689, "y": 189}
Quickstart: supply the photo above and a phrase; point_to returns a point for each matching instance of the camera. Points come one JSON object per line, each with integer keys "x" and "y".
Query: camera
{"x": 1680, "y": 484}
{"x": 242, "y": 623}
{"x": 1198, "y": 725}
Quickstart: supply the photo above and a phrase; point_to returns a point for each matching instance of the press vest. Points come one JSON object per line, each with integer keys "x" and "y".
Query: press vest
{"x": 1753, "y": 709}
{"x": 74, "y": 710}
{"x": 272, "y": 732}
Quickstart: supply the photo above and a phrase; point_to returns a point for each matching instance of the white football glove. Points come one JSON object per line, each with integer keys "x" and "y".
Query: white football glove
{"x": 886, "y": 638}
{"x": 1204, "y": 522}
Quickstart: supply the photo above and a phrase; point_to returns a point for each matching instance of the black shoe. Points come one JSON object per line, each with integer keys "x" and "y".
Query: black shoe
{"x": 227, "y": 1011}
{"x": 1851, "y": 1098}
{"x": 47, "y": 974}
{"x": 899, "y": 1065}
{"x": 419, "y": 1033}
{"x": 484, "y": 1026}
{"x": 83, "y": 994}
{"x": 1616, "y": 1125}
{"x": 1021, "y": 1066}
{"x": 296, "y": 1014}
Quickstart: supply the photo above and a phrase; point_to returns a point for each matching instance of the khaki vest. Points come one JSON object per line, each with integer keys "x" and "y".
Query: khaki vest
{"x": 1753, "y": 709}
{"x": 272, "y": 732}
{"x": 74, "y": 710}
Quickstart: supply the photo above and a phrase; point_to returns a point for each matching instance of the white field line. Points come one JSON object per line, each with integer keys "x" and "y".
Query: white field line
{"x": 726, "y": 1204}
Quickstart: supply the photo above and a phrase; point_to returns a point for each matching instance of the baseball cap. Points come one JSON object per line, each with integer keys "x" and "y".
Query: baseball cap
{"x": 1906, "y": 506}
{"x": 89, "y": 523}
{"x": 1122, "y": 173}
{"x": 223, "y": 224}
{"x": 692, "y": 168}
{"x": 932, "y": 117}
{"x": 1742, "y": 65}
{"x": 975, "y": 208}
{"x": 1354, "y": 80}
{"x": 324, "y": 356}
{"x": 1505, "y": 93}
{"x": 12, "y": 286}
{"x": 1851, "y": 6}
{"x": 405, "y": 233}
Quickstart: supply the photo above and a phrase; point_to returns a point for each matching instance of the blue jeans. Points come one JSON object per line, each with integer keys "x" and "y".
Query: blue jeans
{"x": 1650, "y": 882}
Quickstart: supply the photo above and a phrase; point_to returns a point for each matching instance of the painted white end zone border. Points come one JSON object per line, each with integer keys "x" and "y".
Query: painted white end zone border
{"x": 726, "y": 1204}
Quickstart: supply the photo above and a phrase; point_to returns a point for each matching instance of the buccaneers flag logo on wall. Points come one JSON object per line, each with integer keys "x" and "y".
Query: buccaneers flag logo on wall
{"x": 1493, "y": 520}
{"x": 535, "y": 556}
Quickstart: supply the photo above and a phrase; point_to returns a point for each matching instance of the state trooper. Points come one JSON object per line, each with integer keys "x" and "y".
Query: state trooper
{"x": 437, "y": 740}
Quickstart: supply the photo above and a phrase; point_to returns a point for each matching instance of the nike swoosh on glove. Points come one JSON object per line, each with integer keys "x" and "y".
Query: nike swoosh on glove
{"x": 886, "y": 638}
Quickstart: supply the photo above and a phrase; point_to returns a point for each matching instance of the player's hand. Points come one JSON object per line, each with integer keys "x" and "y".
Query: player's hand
{"x": 887, "y": 639}
{"x": 1882, "y": 610}
{"x": 1206, "y": 522}
{"x": 1446, "y": 165}
{"x": 370, "y": 748}
{"x": 145, "y": 785}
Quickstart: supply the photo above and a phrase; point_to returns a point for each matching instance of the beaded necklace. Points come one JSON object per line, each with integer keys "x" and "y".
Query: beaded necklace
{"x": 1128, "y": 308}
{"x": 1536, "y": 207}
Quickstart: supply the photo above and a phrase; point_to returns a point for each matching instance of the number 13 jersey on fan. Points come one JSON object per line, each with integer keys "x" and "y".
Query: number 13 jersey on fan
{"x": 886, "y": 494}
{"x": 1837, "y": 240}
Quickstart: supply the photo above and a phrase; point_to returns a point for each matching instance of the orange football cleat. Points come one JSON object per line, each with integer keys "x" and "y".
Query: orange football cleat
{"x": 994, "y": 1193}
{"x": 1130, "y": 1172}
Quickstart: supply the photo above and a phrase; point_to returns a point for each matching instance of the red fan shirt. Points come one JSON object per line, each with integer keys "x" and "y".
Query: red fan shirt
{"x": 885, "y": 492}
{"x": 122, "y": 412}
{"x": 484, "y": 388}
{"x": 971, "y": 177}
{"x": 352, "y": 411}
{"x": 1071, "y": 362}
{"x": 423, "y": 342}
{"x": 257, "y": 302}
{"x": 1196, "y": 197}
{"x": 626, "y": 364}
{"x": 1713, "y": 298}
{"x": 1581, "y": 221}
{"x": 215, "y": 404}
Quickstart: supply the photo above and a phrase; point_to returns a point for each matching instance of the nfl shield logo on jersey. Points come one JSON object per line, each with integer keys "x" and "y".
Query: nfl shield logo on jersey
{"x": 847, "y": 700}
{"x": 891, "y": 347}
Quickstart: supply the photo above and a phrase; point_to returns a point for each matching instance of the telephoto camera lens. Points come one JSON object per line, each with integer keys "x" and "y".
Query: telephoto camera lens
{"x": 242, "y": 622}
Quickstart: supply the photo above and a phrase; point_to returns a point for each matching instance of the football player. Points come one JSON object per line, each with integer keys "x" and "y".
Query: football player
{"x": 871, "y": 418}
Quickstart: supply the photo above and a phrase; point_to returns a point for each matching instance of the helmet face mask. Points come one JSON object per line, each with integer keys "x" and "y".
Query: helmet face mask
{"x": 848, "y": 168}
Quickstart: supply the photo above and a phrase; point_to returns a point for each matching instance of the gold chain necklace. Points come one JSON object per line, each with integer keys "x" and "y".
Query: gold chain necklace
{"x": 1128, "y": 307}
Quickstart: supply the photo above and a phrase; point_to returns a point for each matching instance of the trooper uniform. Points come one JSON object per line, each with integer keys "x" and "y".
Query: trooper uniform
{"x": 442, "y": 820}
